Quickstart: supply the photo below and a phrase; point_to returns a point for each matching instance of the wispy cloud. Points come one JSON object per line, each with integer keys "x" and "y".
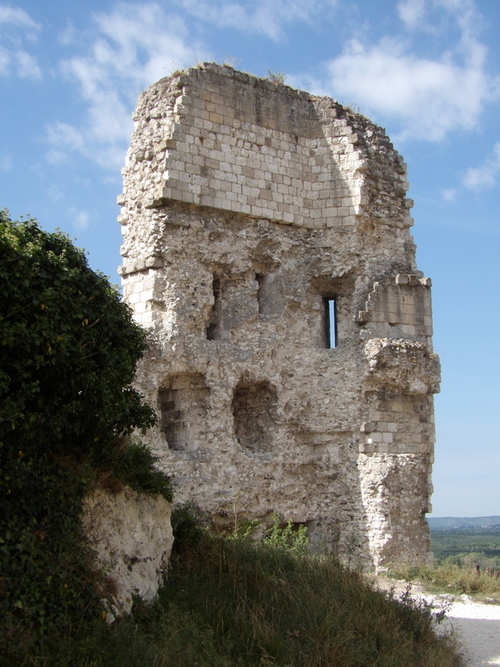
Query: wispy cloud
{"x": 55, "y": 193}
{"x": 257, "y": 16}
{"x": 130, "y": 48}
{"x": 485, "y": 176}
{"x": 16, "y": 27}
{"x": 423, "y": 15}
{"x": 412, "y": 13}
{"x": 6, "y": 162}
{"x": 16, "y": 17}
{"x": 427, "y": 97}
{"x": 449, "y": 195}
{"x": 79, "y": 218}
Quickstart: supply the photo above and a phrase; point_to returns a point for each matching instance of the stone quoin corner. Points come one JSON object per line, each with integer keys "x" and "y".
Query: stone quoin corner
{"x": 267, "y": 249}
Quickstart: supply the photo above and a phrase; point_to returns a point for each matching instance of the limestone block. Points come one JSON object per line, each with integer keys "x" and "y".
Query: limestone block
{"x": 132, "y": 538}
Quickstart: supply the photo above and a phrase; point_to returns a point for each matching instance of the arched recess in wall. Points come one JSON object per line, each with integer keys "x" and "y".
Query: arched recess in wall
{"x": 254, "y": 413}
{"x": 182, "y": 404}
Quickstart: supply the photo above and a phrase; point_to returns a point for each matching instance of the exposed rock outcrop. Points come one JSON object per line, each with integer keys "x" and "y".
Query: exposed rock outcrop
{"x": 131, "y": 535}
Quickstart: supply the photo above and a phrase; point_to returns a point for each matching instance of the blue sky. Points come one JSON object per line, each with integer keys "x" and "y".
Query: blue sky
{"x": 426, "y": 70}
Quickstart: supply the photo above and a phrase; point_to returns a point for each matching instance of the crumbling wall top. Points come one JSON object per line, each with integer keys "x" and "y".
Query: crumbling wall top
{"x": 227, "y": 140}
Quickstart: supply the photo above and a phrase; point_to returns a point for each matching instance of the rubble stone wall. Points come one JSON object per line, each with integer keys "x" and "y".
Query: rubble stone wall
{"x": 267, "y": 249}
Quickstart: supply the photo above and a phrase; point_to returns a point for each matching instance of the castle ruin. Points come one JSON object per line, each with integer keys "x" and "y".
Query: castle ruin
{"x": 267, "y": 249}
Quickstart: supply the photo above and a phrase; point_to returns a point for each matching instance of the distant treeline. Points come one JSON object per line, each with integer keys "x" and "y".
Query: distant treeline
{"x": 457, "y": 523}
{"x": 468, "y": 546}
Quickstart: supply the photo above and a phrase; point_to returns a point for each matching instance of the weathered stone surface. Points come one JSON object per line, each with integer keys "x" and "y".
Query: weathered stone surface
{"x": 132, "y": 537}
{"x": 254, "y": 215}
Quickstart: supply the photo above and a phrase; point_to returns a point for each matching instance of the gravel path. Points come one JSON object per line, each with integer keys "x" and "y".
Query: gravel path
{"x": 476, "y": 624}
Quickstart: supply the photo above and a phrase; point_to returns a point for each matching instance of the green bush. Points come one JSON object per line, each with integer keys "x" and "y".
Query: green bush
{"x": 68, "y": 353}
{"x": 286, "y": 536}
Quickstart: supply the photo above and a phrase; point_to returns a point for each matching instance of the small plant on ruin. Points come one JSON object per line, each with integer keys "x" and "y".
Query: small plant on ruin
{"x": 230, "y": 61}
{"x": 353, "y": 551}
{"x": 278, "y": 78}
{"x": 287, "y": 537}
{"x": 244, "y": 529}
{"x": 354, "y": 107}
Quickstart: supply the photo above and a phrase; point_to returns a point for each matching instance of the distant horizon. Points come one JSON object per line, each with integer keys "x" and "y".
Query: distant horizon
{"x": 485, "y": 516}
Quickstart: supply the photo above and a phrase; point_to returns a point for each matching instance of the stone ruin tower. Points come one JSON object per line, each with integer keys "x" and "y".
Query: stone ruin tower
{"x": 267, "y": 250}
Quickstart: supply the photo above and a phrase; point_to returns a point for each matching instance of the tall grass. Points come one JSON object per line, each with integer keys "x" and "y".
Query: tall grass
{"x": 230, "y": 603}
{"x": 279, "y": 608}
{"x": 451, "y": 578}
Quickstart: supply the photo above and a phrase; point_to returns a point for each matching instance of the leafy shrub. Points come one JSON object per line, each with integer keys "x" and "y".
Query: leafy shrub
{"x": 286, "y": 536}
{"x": 68, "y": 353}
{"x": 133, "y": 464}
{"x": 186, "y": 527}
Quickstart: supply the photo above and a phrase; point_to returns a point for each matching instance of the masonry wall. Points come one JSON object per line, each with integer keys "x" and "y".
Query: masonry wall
{"x": 267, "y": 249}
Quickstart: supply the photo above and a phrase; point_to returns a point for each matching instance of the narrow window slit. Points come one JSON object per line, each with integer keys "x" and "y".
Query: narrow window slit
{"x": 260, "y": 278}
{"x": 331, "y": 333}
{"x": 213, "y": 328}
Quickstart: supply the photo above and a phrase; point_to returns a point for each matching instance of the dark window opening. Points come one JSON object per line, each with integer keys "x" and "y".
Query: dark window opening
{"x": 182, "y": 405}
{"x": 331, "y": 332}
{"x": 171, "y": 419}
{"x": 213, "y": 328}
{"x": 260, "y": 278}
{"x": 254, "y": 412}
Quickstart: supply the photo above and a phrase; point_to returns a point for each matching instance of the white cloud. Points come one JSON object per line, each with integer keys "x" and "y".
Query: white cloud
{"x": 485, "y": 176}
{"x": 19, "y": 63}
{"x": 17, "y": 17}
{"x": 63, "y": 136}
{"x": 17, "y": 26}
{"x": 412, "y": 12}
{"x": 6, "y": 162}
{"x": 260, "y": 16}
{"x": 27, "y": 66}
{"x": 450, "y": 194}
{"x": 55, "y": 193}
{"x": 132, "y": 46}
{"x": 426, "y": 96}
{"x": 426, "y": 15}
{"x": 79, "y": 218}
{"x": 456, "y": 5}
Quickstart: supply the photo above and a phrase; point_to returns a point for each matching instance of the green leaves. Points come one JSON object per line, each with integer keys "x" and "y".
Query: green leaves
{"x": 68, "y": 343}
{"x": 68, "y": 353}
